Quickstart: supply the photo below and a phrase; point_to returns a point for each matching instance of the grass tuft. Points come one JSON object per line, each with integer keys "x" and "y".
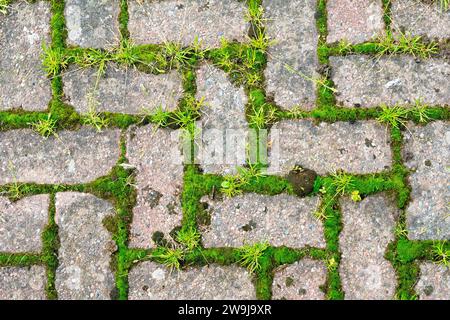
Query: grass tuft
{"x": 45, "y": 127}
{"x": 250, "y": 256}
{"x": 395, "y": 116}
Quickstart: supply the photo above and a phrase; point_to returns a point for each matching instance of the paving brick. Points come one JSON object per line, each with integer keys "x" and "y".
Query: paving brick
{"x": 182, "y": 21}
{"x": 86, "y": 246}
{"x": 368, "y": 229}
{"x": 92, "y": 24}
{"x": 354, "y": 20}
{"x": 23, "y": 82}
{"x": 121, "y": 90}
{"x": 427, "y": 153}
{"x": 72, "y": 157}
{"x": 156, "y": 155}
{"x": 293, "y": 56}
{"x": 150, "y": 281}
{"x": 300, "y": 281}
{"x": 283, "y": 220}
{"x": 363, "y": 81}
{"x": 22, "y": 223}
{"x": 359, "y": 147}
{"x": 434, "y": 282}
{"x": 22, "y": 283}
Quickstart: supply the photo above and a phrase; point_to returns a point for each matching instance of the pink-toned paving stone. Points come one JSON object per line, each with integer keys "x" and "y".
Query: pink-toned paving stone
{"x": 434, "y": 282}
{"x": 22, "y": 283}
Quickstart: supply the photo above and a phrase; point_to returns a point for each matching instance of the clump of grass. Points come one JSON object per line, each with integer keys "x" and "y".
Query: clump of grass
{"x": 441, "y": 254}
{"x": 45, "y": 127}
{"x": 395, "y": 116}
{"x": 344, "y": 47}
{"x": 251, "y": 254}
{"x": 262, "y": 116}
{"x": 170, "y": 257}
{"x": 189, "y": 238}
{"x": 232, "y": 185}
{"x": 95, "y": 119}
{"x": 420, "y": 111}
{"x": 342, "y": 182}
{"x": 176, "y": 55}
{"x": 406, "y": 44}
{"x": 400, "y": 230}
{"x": 158, "y": 117}
{"x": 4, "y": 4}
{"x": 127, "y": 53}
{"x": 445, "y": 4}
{"x": 53, "y": 60}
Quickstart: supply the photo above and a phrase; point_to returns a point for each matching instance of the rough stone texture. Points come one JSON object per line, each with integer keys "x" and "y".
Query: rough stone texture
{"x": 22, "y": 283}
{"x": 22, "y": 223}
{"x": 150, "y": 281}
{"x": 419, "y": 19}
{"x": 434, "y": 282}
{"x": 121, "y": 90}
{"x": 72, "y": 157}
{"x": 224, "y": 128}
{"x": 293, "y": 56}
{"x": 300, "y": 281}
{"x": 23, "y": 82}
{"x": 86, "y": 247}
{"x": 360, "y": 147}
{"x": 368, "y": 229}
{"x": 427, "y": 152}
{"x": 362, "y": 81}
{"x": 182, "y": 21}
{"x": 283, "y": 220}
{"x": 354, "y": 20}
{"x": 156, "y": 155}
{"x": 92, "y": 24}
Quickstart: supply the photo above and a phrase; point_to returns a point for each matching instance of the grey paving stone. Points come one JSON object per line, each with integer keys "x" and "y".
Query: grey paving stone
{"x": 363, "y": 81}
{"x": 22, "y": 283}
{"x": 121, "y": 90}
{"x": 420, "y": 19}
{"x": 434, "y": 282}
{"x": 72, "y": 157}
{"x": 283, "y": 220}
{"x": 368, "y": 229}
{"x": 92, "y": 24}
{"x": 22, "y": 223}
{"x": 427, "y": 153}
{"x": 150, "y": 281}
{"x": 354, "y": 20}
{"x": 86, "y": 246}
{"x": 156, "y": 155}
{"x": 300, "y": 281}
{"x": 360, "y": 147}
{"x": 293, "y": 56}
{"x": 182, "y": 21}
{"x": 224, "y": 134}
{"x": 23, "y": 82}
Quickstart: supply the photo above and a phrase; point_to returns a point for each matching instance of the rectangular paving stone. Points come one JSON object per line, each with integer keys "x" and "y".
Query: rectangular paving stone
{"x": 181, "y": 21}
{"x": 121, "y": 90}
{"x": 72, "y": 157}
{"x": 300, "y": 281}
{"x": 427, "y": 153}
{"x": 434, "y": 282}
{"x": 22, "y": 223}
{"x": 156, "y": 154}
{"x": 418, "y": 18}
{"x": 23, "y": 81}
{"x": 283, "y": 220}
{"x": 368, "y": 229}
{"x": 293, "y": 57}
{"x": 363, "y": 81}
{"x": 359, "y": 147}
{"x": 355, "y": 21}
{"x": 86, "y": 246}
{"x": 17, "y": 283}
{"x": 92, "y": 24}
{"x": 151, "y": 281}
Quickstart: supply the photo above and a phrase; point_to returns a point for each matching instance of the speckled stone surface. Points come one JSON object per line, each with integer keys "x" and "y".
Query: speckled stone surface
{"x": 427, "y": 153}
{"x": 22, "y": 223}
{"x": 362, "y": 81}
{"x": 23, "y": 82}
{"x": 22, "y": 283}
{"x": 292, "y": 58}
{"x": 360, "y": 147}
{"x": 355, "y": 21}
{"x": 156, "y": 155}
{"x": 420, "y": 19}
{"x": 368, "y": 229}
{"x": 283, "y": 220}
{"x": 86, "y": 246}
{"x": 434, "y": 282}
{"x": 150, "y": 281}
{"x": 92, "y": 24}
{"x": 182, "y": 21}
{"x": 300, "y": 281}
{"x": 72, "y": 157}
{"x": 121, "y": 90}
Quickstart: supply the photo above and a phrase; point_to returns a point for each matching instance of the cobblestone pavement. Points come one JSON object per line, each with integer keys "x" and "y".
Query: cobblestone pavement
{"x": 224, "y": 149}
